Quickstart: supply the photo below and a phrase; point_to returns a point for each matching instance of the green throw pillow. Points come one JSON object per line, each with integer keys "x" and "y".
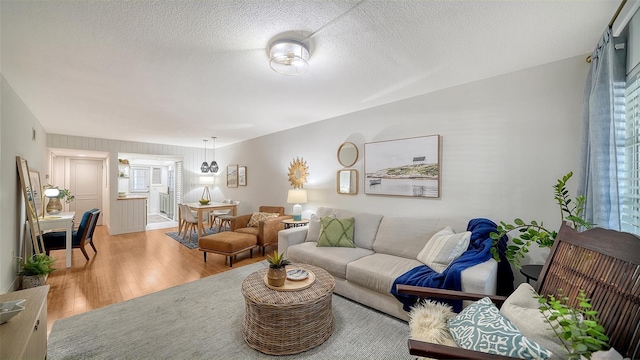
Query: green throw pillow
{"x": 336, "y": 232}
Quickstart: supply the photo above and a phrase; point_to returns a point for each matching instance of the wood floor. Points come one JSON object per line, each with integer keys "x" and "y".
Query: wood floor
{"x": 127, "y": 266}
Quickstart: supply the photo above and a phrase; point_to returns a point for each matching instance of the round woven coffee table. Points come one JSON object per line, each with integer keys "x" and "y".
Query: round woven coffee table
{"x": 287, "y": 322}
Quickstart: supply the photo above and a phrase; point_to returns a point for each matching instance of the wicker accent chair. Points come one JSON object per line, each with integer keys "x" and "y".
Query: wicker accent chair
{"x": 267, "y": 231}
{"x": 603, "y": 263}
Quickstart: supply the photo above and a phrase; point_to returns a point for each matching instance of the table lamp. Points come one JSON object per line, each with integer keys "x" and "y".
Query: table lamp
{"x": 297, "y": 197}
{"x": 206, "y": 181}
{"x": 54, "y": 206}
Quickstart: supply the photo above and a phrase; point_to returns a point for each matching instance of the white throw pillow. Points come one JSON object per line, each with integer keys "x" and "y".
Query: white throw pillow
{"x": 444, "y": 247}
{"x": 314, "y": 227}
{"x": 521, "y": 307}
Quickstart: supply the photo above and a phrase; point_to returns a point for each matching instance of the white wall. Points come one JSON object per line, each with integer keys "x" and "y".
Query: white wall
{"x": 505, "y": 141}
{"x": 192, "y": 158}
{"x": 17, "y": 123}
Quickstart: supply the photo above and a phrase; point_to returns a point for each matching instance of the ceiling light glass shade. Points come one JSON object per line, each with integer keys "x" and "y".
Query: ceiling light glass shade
{"x": 289, "y": 57}
{"x": 204, "y": 168}
{"x": 214, "y": 167}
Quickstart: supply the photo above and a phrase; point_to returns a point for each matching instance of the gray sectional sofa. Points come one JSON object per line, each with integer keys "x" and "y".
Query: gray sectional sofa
{"x": 386, "y": 247}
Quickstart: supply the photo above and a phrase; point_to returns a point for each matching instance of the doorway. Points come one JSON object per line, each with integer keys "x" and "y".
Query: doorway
{"x": 154, "y": 177}
{"x": 85, "y": 182}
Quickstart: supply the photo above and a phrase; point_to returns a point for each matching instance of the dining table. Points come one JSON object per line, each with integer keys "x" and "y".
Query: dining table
{"x": 202, "y": 208}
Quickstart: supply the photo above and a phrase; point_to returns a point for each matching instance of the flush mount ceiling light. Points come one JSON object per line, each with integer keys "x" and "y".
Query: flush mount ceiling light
{"x": 289, "y": 57}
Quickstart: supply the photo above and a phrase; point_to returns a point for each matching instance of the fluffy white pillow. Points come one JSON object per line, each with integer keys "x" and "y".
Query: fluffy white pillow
{"x": 428, "y": 322}
{"x": 444, "y": 247}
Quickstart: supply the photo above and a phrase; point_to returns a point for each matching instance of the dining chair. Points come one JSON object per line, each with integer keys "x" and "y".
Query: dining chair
{"x": 213, "y": 216}
{"x": 226, "y": 219}
{"x": 56, "y": 240}
{"x": 189, "y": 220}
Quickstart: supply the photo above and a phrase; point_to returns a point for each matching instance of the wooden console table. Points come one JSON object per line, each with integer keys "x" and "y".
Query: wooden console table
{"x": 25, "y": 336}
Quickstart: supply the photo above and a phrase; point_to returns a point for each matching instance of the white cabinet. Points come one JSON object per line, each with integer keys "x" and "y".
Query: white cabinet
{"x": 25, "y": 336}
{"x": 164, "y": 203}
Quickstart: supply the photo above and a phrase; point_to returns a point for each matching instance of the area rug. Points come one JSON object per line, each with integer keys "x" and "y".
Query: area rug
{"x": 203, "y": 320}
{"x": 192, "y": 241}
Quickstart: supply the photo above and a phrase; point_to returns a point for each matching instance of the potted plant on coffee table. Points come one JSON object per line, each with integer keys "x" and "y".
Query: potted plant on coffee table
{"x": 277, "y": 274}
{"x": 35, "y": 270}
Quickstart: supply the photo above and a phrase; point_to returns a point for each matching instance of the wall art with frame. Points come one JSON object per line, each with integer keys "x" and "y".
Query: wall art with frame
{"x": 242, "y": 176}
{"x": 232, "y": 176}
{"x": 403, "y": 167}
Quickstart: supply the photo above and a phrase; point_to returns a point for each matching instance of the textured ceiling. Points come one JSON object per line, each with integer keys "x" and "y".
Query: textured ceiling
{"x": 176, "y": 72}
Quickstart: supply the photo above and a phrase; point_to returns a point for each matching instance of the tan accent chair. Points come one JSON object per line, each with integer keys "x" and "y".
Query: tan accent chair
{"x": 267, "y": 230}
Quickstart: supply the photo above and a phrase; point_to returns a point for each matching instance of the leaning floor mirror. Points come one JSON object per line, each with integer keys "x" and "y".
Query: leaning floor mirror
{"x": 33, "y": 201}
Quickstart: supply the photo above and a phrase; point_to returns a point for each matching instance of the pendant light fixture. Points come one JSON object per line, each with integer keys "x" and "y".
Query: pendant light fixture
{"x": 204, "y": 168}
{"x": 214, "y": 164}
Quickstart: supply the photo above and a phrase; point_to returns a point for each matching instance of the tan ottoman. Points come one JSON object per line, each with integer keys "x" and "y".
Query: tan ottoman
{"x": 227, "y": 243}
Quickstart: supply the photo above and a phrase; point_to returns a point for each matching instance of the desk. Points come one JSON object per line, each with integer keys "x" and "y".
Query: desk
{"x": 210, "y": 206}
{"x": 290, "y": 223}
{"x": 64, "y": 221}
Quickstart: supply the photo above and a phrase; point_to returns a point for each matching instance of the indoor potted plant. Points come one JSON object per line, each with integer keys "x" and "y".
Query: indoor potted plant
{"x": 532, "y": 232}
{"x": 277, "y": 274}
{"x": 35, "y": 270}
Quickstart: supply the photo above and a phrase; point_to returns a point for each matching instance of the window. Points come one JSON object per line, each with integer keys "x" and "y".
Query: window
{"x": 139, "y": 179}
{"x": 630, "y": 195}
{"x": 156, "y": 176}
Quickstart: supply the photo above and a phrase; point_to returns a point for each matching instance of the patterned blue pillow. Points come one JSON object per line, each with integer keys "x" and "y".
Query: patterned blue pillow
{"x": 481, "y": 327}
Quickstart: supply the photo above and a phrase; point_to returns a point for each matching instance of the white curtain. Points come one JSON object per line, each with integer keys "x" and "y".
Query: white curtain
{"x": 602, "y": 147}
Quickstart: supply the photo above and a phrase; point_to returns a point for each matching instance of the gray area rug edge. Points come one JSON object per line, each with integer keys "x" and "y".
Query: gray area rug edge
{"x": 203, "y": 320}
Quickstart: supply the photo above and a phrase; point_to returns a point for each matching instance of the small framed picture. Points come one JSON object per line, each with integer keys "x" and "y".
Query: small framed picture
{"x": 242, "y": 175}
{"x": 232, "y": 176}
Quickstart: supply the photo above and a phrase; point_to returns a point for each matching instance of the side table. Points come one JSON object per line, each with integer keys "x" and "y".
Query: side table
{"x": 290, "y": 223}
{"x": 531, "y": 272}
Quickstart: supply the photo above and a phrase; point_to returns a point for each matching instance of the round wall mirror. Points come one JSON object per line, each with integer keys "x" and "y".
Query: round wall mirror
{"x": 347, "y": 154}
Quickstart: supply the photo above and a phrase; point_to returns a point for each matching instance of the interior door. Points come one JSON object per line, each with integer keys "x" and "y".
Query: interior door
{"x": 85, "y": 182}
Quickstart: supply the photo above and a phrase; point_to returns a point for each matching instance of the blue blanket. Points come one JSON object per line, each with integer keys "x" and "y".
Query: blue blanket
{"x": 478, "y": 252}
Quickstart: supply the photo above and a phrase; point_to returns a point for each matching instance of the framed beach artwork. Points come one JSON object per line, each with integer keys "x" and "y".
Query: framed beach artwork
{"x": 403, "y": 167}
{"x": 242, "y": 176}
{"x": 232, "y": 175}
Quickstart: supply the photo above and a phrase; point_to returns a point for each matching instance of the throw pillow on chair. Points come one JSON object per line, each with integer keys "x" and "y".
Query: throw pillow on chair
{"x": 428, "y": 322}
